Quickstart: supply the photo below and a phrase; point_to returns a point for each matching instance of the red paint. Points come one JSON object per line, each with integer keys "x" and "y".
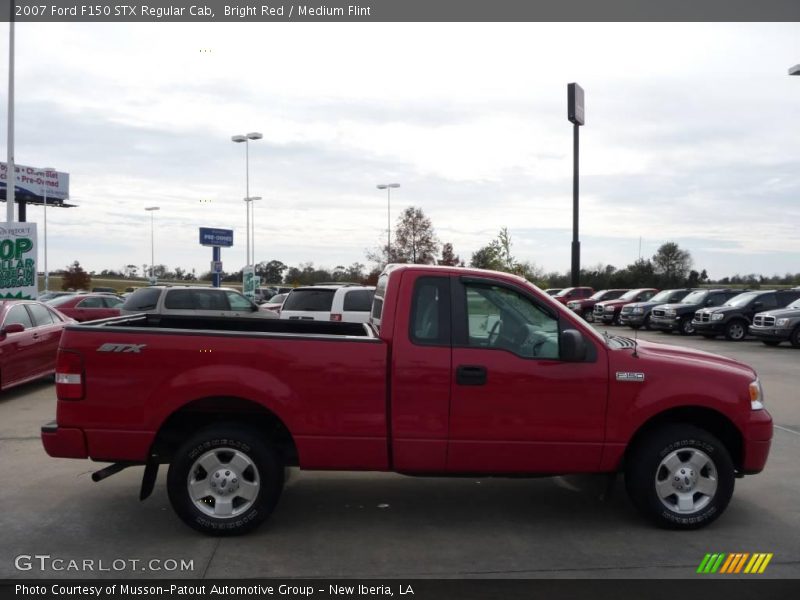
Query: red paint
{"x": 388, "y": 403}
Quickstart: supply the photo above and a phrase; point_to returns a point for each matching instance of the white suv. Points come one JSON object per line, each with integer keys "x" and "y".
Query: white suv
{"x": 336, "y": 302}
{"x": 192, "y": 300}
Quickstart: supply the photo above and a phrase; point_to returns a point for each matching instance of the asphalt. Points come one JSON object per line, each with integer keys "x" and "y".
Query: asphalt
{"x": 376, "y": 525}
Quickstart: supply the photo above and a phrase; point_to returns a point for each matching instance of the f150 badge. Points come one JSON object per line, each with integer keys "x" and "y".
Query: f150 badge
{"x": 136, "y": 348}
{"x": 628, "y": 376}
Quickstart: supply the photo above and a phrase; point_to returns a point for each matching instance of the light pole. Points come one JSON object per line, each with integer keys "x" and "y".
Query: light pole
{"x": 45, "y": 171}
{"x": 151, "y": 210}
{"x": 254, "y": 135}
{"x": 388, "y": 187}
{"x": 252, "y": 225}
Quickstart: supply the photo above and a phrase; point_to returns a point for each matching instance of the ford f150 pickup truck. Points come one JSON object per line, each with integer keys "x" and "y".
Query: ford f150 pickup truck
{"x": 459, "y": 372}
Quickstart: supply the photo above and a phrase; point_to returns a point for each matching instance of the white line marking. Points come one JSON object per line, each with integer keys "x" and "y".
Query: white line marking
{"x": 787, "y": 429}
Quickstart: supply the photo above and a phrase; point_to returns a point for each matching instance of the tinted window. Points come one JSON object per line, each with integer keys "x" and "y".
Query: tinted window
{"x": 767, "y": 301}
{"x": 180, "y": 300}
{"x": 142, "y": 299}
{"x": 18, "y": 314}
{"x": 41, "y": 315}
{"x": 716, "y": 299}
{"x": 111, "y": 302}
{"x": 310, "y": 300}
{"x": 359, "y": 300}
{"x": 197, "y": 299}
{"x": 238, "y": 302}
{"x": 91, "y": 303}
{"x": 785, "y": 298}
{"x": 430, "y": 311}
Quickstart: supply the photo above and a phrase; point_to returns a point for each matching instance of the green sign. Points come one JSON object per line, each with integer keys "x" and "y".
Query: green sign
{"x": 18, "y": 261}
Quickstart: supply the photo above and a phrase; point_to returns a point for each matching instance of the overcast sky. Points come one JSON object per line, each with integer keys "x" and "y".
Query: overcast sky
{"x": 692, "y": 135}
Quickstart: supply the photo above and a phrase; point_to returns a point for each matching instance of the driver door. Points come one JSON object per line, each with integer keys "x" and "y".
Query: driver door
{"x": 515, "y": 406}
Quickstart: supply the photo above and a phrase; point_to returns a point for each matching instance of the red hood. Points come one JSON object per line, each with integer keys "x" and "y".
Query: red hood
{"x": 688, "y": 356}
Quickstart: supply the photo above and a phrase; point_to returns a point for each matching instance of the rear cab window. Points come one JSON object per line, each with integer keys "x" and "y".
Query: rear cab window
{"x": 142, "y": 299}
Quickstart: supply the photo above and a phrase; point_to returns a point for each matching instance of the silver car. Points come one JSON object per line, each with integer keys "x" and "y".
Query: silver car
{"x": 192, "y": 300}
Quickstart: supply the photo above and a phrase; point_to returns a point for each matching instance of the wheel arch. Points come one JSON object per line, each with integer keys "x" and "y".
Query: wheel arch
{"x": 712, "y": 421}
{"x": 215, "y": 410}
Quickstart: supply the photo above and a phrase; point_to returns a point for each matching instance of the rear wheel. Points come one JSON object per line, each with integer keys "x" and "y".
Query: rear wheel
{"x": 736, "y": 330}
{"x": 680, "y": 477}
{"x": 225, "y": 480}
{"x": 685, "y": 327}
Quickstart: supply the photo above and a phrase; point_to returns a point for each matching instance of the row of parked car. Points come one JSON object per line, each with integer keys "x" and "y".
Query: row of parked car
{"x": 773, "y": 316}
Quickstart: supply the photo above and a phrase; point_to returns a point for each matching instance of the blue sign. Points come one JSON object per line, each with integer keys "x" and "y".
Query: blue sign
{"x": 210, "y": 236}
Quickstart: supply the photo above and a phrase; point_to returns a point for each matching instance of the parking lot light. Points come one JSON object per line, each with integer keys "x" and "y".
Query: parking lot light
{"x": 46, "y": 272}
{"x": 252, "y": 225}
{"x": 388, "y": 187}
{"x": 253, "y": 135}
{"x": 151, "y": 210}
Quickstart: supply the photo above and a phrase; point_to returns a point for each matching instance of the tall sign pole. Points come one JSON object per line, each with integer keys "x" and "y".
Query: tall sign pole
{"x": 575, "y": 113}
{"x": 11, "y": 173}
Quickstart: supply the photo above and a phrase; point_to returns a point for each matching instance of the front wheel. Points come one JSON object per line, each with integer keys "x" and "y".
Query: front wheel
{"x": 588, "y": 316}
{"x": 736, "y": 330}
{"x": 647, "y": 325}
{"x": 680, "y": 477}
{"x": 686, "y": 327}
{"x": 224, "y": 480}
{"x": 794, "y": 339}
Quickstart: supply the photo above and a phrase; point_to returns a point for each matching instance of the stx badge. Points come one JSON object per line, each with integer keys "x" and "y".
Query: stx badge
{"x": 136, "y": 348}
{"x": 626, "y": 376}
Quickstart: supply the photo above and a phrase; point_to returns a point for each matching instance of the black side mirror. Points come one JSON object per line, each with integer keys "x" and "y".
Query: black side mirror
{"x": 573, "y": 346}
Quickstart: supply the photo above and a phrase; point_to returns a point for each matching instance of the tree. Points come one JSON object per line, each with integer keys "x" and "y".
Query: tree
{"x": 672, "y": 264}
{"x": 131, "y": 271}
{"x": 75, "y": 278}
{"x": 487, "y": 257}
{"x": 271, "y": 272}
{"x": 449, "y": 257}
{"x": 415, "y": 241}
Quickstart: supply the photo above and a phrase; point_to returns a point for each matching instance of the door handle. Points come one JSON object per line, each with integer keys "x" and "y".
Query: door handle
{"x": 471, "y": 375}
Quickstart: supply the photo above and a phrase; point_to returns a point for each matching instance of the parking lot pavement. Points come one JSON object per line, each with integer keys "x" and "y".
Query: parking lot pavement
{"x": 385, "y": 525}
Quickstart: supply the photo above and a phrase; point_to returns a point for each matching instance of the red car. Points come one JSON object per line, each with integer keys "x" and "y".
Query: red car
{"x": 29, "y": 336}
{"x": 88, "y": 307}
{"x": 573, "y": 293}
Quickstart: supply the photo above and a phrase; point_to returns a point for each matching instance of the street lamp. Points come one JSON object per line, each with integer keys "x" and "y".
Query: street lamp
{"x": 45, "y": 171}
{"x": 388, "y": 187}
{"x": 795, "y": 70}
{"x": 151, "y": 210}
{"x": 254, "y": 135}
{"x": 252, "y": 225}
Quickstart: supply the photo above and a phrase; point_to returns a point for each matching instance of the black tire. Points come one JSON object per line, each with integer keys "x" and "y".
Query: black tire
{"x": 676, "y": 444}
{"x": 685, "y": 326}
{"x": 615, "y": 319}
{"x": 770, "y": 342}
{"x": 588, "y": 316}
{"x": 794, "y": 339}
{"x": 646, "y": 323}
{"x": 736, "y": 330}
{"x": 228, "y": 448}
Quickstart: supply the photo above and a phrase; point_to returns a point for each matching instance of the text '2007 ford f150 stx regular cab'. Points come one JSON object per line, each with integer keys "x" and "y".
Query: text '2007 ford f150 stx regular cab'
{"x": 459, "y": 371}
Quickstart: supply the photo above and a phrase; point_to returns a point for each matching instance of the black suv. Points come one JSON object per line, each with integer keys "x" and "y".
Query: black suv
{"x": 734, "y": 317}
{"x": 678, "y": 317}
{"x": 637, "y": 314}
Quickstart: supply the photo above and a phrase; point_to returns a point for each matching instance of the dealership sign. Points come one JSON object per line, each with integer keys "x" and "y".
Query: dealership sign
{"x": 18, "y": 260}
{"x": 30, "y": 184}
{"x": 211, "y": 236}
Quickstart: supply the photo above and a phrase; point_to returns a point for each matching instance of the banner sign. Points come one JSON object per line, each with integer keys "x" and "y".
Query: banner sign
{"x": 210, "y": 236}
{"x": 30, "y": 184}
{"x": 18, "y": 261}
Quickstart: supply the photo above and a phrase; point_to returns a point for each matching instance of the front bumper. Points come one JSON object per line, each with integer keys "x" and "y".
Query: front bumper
{"x": 757, "y": 438}
{"x": 631, "y": 319}
{"x": 708, "y": 327}
{"x": 664, "y": 323}
{"x": 771, "y": 334}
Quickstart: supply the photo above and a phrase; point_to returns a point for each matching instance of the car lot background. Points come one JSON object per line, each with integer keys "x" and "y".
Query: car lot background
{"x": 386, "y": 525}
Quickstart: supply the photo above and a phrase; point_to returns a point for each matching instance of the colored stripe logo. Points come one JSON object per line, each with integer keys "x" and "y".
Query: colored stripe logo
{"x": 737, "y": 562}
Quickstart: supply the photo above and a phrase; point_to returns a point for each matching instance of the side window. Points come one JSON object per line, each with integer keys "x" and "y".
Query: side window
{"x": 358, "y": 300}
{"x": 18, "y": 314}
{"x": 501, "y": 318}
{"x": 91, "y": 303}
{"x": 179, "y": 300}
{"x": 767, "y": 301}
{"x": 237, "y": 301}
{"x": 142, "y": 299}
{"x": 645, "y": 296}
{"x": 717, "y": 299}
{"x": 210, "y": 300}
{"x": 41, "y": 315}
{"x": 430, "y": 312}
{"x": 112, "y": 302}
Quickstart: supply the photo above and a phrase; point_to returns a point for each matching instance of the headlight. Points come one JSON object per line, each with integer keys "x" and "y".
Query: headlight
{"x": 756, "y": 395}
{"x": 609, "y": 309}
{"x": 781, "y": 322}
{"x": 717, "y": 317}
{"x": 637, "y": 310}
{"x": 670, "y": 312}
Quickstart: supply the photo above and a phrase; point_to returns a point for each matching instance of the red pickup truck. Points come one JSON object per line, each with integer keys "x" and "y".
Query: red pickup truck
{"x": 459, "y": 371}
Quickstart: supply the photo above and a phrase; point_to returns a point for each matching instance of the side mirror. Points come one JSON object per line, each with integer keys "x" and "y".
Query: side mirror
{"x": 573, "y": 346}
{"x": 12, "y": 328}
{"x": 758, "y": 304}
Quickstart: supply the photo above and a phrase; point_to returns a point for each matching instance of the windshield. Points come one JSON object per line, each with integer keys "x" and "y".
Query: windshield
{"x": 795, "y": 304}
{"x": 695, "y": 297}
{"x": 630, "y": 295}
{"x": 662, "y": 296}
{"x": 563, "y": 292}
{"x": 741, "y": 299}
